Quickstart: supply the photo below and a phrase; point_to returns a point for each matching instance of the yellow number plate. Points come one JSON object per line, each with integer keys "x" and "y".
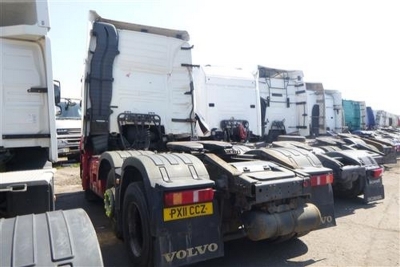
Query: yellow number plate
{"x": 189, "y": 211}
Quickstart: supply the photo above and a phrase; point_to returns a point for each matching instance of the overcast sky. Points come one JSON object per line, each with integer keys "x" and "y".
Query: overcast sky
{"x": 352, "y": 46}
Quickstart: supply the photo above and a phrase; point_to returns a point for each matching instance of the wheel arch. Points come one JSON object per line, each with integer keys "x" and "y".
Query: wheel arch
{"x": 114, "y": 159}
{"x": 162, "y": 172}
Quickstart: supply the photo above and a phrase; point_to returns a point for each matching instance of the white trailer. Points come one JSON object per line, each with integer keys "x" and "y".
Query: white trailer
{"x": 284, "y": 102}
{"x": 227, "y": 98}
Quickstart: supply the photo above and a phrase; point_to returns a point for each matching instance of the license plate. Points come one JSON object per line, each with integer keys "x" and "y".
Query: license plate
{"x": 63, "y": 150}
{"x": 188, "y": 211}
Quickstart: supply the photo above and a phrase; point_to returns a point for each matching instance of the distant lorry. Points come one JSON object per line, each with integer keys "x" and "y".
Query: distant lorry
{"x": 28, "y": 147}
{"x": 228, "y": 100}
{"x": 173, "y": 197}
{"x": 250, "y": 105}
{"x": 284, "y": 103}
{"x": 69, "y": 127}
{"x": 325, "y": 111}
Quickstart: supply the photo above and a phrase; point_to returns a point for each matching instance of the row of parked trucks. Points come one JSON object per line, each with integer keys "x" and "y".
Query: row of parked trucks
{"x": 185, "y": 159}
{"x": 182, "y": 155}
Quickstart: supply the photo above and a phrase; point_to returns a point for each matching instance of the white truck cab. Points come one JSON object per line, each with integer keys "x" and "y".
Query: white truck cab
{"x": 69, "y": 127}
{"x": 28, "y": 143}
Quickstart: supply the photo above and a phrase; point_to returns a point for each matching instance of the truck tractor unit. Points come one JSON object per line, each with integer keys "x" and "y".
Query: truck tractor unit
{"x": 174, "y": 200}
{"x": 28, "y": 143}
{"x": 389, "y": 146}
{"x": 382, "y": 152}
{"x": 228, "y": 100}
{"x": 302, "y": 161}
{"x": 28, "y": 147}
{"x": 355, "y": 172}
{"x": 284, "y": 106}
{"x": 69, "y": 127}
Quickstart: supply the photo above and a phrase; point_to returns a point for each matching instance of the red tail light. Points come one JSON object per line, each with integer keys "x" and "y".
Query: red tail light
{"x": 188, "y": 197}
{"x": 377, "y": 173}
{"x": 323, "y": 179}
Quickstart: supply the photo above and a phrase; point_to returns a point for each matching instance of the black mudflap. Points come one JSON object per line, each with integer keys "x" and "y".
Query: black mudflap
{"x": 57, "y": 238}
{"x": 373, "y": 190}
{"x": 322, "y": 197}
{"x": 188, "y": 241}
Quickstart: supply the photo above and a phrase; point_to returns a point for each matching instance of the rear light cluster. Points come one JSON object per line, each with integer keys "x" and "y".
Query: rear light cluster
{"x": 188, "y": 197}
{"x": 377, "y": 173}
{"x": 322, "y": 179}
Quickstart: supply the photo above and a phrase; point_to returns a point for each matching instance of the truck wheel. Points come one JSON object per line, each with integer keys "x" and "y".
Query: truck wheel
{"x": 353, "y": 192}
{"x": 136, "y": 225}
{"x": 109, "y": 204}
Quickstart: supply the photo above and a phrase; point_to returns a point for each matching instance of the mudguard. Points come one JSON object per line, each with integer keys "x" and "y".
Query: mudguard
{"x": 389, "y": 151}
{"x": 368, "y": 175}
{"x": 183, "y": 240}
{"x": 116, "y": 158}
{"x": 305, "y": 162}
{"x": 344, "y": 175}
{"x": 57, "y": 238}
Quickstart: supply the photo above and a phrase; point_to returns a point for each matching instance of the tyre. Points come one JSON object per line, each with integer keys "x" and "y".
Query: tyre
{"x": 109, "y": 205}
{"x": 136, "y": 226}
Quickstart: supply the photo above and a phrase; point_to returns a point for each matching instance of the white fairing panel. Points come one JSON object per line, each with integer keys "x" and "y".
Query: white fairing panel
{"x": 224, "y": 93}
{"x": 330, "y": 113}
{"x": 334, "y": 110}
{"x": 287, "y": 101}
{"x": 23, "y": 112}
{"x": 149, "y": 78}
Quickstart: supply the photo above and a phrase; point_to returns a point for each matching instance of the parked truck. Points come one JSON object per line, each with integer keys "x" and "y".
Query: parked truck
{"x": 355, "y": 171}
{"x": 69, "y": 127}
{"x": 228, "y": 99}
{"x": 30, "y": 229}
{"x": 28, "y": 143}
{"x": 173, "y": 198}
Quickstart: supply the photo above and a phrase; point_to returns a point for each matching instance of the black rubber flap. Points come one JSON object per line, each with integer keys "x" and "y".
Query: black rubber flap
{"x": 57, "y": 238}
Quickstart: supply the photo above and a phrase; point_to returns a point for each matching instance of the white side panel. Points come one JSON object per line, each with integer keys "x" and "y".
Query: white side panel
{"x": 149, "y": 78}
{"x": 301, "y": 103}
{"x": 330, "y": 113}
{"x": 224, "y": 93}
{"x": 334, "y": 98}
{"x": 278, "y": 91}
{"x": 23, "y": 113}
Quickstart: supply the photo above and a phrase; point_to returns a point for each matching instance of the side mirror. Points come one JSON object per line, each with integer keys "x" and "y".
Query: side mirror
{"x": 57, "y": 92}
{"x": 58, "y": 110}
